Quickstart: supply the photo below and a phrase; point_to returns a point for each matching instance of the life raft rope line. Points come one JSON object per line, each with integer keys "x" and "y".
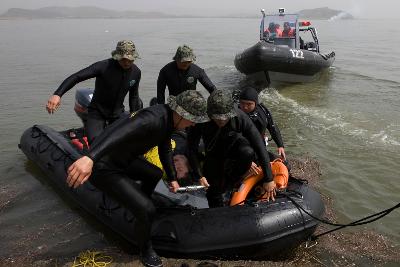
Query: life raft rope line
{"x": 62, "y": 155}
{"x": 65, "y": 155}
{"x": 362, "y": 221}
{"x": 41, "y": 141}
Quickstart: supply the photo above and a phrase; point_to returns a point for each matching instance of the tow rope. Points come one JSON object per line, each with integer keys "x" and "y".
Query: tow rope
{"x": 362, "y": 221}
{"x": 92, "y": 259}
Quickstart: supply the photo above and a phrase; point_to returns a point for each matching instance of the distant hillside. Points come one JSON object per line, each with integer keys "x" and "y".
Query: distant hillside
{"x": 324, "y": 13}
{"x": 77, "y": 12}
{"x": 95, "y": 12}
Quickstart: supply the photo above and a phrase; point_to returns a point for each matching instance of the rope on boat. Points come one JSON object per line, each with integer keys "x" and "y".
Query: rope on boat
{"x": 64, "y": 155}
{"x": 362, "y": 221}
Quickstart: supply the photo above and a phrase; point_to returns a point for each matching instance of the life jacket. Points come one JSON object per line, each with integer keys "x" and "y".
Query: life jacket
{"x": 274, "y": 33}
{"x": 289, "y": 33}
{"x": 78, "y": 139}
{"x": 280, "y": 174}
{"x": 152, "y": 156}
{"x": 81, "y": 143}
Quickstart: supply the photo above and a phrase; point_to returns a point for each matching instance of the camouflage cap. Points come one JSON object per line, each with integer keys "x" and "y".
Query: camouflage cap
{"x": 184, "y": 54}
{"x": 125, "y": 49}
{"x": 220, "y": 105}
{"x": 191, "y": 105}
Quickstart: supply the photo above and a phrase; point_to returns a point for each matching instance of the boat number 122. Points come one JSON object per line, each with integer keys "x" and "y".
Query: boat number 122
{"x": 297, "y": 53}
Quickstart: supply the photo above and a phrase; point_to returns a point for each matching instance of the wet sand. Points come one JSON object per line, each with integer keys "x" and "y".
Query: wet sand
{"x": 353, "y": 247}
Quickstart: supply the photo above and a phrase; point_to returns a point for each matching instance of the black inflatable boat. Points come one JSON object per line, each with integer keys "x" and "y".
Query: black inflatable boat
{"x": 184, "y": 226}
{"x": 282, "y": 54}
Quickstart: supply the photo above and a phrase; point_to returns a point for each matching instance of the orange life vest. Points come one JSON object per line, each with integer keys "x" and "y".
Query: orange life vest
{"x": 288, "y": 33}
{"x": 281, "y": 178}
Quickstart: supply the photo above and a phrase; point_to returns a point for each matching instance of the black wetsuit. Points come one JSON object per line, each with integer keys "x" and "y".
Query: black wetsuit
{"x": 229, "y": 152}
{"x": 179, "y": 81}
{"x": 117, "y": 155}
{"x": 111, "y": 86}
{"x": 262, "y": 119}
{"x": 180, "y": 138}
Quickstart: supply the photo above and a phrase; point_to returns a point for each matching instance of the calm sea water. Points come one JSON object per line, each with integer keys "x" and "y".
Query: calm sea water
{"x": 348, "y": 120}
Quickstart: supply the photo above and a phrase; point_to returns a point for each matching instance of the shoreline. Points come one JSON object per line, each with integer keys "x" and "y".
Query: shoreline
{"x": 358, "y": 247}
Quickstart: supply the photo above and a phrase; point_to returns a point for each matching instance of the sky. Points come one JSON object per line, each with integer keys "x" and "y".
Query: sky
{"x": 358, "y": 8}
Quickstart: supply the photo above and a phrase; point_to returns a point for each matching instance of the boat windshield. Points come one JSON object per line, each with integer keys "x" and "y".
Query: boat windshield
{"x": 280, "y": 29}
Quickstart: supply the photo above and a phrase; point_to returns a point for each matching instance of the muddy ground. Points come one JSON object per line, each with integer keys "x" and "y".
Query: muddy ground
{"x": 354, "y": 247}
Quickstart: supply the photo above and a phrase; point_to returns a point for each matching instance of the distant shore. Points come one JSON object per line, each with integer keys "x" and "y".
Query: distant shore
{"x": 166, "y": 18}
{"x": 90, "y": 12}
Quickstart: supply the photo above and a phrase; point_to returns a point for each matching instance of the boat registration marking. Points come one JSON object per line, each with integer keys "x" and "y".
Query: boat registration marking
{"x": 297, "y": 53}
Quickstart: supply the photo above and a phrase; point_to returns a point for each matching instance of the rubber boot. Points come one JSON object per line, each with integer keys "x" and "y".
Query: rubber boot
{"x": 150, "y": 258}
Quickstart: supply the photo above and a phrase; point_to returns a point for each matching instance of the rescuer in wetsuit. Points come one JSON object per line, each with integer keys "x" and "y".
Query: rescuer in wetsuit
{"x": 116, "y": 158}
{"x": 115, "y": 77}
{"x": 233, "y": 148}
{"x": 181, "y": 75}
{"x": 261, "y": 117}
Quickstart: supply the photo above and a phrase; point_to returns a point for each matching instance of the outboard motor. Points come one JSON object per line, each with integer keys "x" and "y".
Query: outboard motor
{"x": 83, "y": 97}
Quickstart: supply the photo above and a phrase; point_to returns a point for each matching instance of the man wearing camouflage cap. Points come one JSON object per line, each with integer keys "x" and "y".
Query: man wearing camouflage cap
{"x": 233, "y": 148}
{"x": 181, "y": 75}
{"x": 115, "y": 77}
{"x": 115, "y": 158}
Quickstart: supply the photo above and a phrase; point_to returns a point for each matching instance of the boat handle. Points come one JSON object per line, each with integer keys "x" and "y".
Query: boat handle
{"x": 190, "y": 188}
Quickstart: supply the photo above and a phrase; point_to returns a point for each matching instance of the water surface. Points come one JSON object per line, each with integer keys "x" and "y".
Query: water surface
{"x": 348, "y": 120}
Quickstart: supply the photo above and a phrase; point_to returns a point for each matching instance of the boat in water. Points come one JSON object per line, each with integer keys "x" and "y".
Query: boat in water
{"x": 285, "y": 51}
{"x": 246, "y": 228}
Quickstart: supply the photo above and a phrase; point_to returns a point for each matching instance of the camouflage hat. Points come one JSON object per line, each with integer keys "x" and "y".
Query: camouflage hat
{"x": 184, "y": 54}
{"x": 125, "y": 49}
{"x": 220, "y": 105}
{"x": 191, "y": 105}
